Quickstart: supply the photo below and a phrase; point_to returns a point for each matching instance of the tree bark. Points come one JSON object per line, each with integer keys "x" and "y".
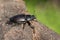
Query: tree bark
{"x": 9, "y": 8}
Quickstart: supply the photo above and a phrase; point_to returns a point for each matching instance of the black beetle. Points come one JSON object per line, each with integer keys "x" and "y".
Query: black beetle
{"x": 21, "y": 19}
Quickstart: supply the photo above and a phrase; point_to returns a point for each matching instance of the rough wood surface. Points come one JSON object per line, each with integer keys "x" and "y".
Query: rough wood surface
{"x": 8, "y": 8}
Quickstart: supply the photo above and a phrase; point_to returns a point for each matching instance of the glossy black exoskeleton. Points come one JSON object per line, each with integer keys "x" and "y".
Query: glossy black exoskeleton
{"x": 21, "y": 19}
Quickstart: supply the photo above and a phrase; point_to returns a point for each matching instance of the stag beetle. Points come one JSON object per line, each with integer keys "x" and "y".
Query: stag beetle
{"x": 21, "y": 19}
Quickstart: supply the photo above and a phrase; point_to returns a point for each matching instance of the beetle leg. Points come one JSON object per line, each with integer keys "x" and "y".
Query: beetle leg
{"x": 24, "y": 25}
{"x": 31, "y": 26}
{"x": 9, "y": 22}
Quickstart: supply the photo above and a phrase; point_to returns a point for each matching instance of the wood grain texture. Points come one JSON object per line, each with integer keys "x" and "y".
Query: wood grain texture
{"x": 9, "y": 8}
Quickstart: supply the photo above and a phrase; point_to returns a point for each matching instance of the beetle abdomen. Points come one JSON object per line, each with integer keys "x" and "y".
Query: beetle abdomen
{"x": 18, "y": 18}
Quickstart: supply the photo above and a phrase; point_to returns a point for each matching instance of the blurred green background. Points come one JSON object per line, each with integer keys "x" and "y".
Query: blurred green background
{"x": 46, "y": 12}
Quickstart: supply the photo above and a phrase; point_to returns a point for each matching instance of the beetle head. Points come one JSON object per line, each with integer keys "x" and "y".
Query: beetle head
{"x": 33, "y": 17}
